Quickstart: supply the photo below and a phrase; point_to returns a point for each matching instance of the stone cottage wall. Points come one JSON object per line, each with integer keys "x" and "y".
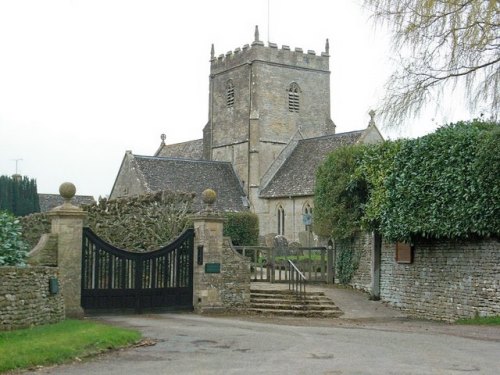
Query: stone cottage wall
{"x": 25, "y": 299}
{"x": 447, "y": 280}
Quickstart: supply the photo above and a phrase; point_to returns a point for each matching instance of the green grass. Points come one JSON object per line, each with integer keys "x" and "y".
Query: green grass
{"x": 57, "y": 343}
{"x": 490, "y": 320}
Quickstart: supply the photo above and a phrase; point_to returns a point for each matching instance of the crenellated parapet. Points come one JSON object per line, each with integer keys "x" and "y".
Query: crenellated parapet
{"x": 258, "y": 51}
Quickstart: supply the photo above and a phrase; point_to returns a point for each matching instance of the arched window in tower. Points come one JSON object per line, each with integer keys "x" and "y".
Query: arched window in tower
{"x": 294, "y": 97}
{"x": 229, "y": 94}
{"x": 281, "y": 220}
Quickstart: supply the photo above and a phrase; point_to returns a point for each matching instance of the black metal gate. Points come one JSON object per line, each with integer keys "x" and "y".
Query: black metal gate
{"x": 119, "y": 279}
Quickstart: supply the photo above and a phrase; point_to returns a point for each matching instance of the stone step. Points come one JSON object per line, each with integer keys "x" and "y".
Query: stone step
{"x": 283, "y": 302}
{"x": 293, "y": 306}
{"x": 297, "y": 313}
{"x": 283, "y": 292}
{"x": 315, "y": 301}
{"x": 288, "y": 297}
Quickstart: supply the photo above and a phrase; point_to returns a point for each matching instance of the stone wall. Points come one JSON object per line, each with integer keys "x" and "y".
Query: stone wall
{"x": 229, "y": 289}
{"x": 235, "y": 278}
{"x": 25, "y": 299}
{"x": 447, "y": 280}
{"x": 362, "y": 246}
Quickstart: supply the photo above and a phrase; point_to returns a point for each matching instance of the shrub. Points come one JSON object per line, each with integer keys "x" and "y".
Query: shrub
{"x": 338, "y": 197}
{"x": 13, "y": 250}
{"x": 242, "y": 227}
{"x": 445, "y": 185}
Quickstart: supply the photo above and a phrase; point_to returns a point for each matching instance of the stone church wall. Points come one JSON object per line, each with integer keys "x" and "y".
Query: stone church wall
{"x": 447, "y": 280}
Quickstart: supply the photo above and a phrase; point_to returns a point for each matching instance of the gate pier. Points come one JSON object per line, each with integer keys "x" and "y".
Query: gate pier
{"x": 67, "y": 224}
{"x": 221, "y": 275}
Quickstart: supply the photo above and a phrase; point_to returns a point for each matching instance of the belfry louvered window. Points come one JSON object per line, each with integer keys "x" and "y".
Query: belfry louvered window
{"x": 229, "y": 94}
{"x": 294, "y": 97}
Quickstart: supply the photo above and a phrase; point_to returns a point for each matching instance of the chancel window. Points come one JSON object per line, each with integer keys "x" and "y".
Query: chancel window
{"x": 229, "y": 94}
{"x": 281, "y": 220}
{"x": 294, "y": 97}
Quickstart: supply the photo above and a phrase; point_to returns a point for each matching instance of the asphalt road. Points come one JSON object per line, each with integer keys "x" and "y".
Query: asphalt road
{"x": 193, "y": 344}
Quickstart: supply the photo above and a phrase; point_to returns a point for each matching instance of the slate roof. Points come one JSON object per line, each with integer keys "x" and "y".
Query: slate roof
{"x": 193, "y": 176}
{"x": 50, "y": 201}
{"x": 297, "y": 175}
{"x": 185, "y": 150}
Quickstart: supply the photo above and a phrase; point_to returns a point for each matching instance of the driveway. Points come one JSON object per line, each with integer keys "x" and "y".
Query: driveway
{"x": 383, "y": 344}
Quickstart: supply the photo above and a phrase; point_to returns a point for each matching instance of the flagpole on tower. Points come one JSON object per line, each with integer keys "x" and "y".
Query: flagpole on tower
{"x": 268, "y": 16}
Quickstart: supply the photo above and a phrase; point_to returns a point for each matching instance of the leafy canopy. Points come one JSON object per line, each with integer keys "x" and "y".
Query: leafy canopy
{"x": 338, "y": 198}
{"x": 443, "y": 185}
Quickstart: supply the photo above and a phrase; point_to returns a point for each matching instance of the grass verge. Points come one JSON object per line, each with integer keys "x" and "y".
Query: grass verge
{"x": 490, "y": 320}
{"x": 57, "y": 343}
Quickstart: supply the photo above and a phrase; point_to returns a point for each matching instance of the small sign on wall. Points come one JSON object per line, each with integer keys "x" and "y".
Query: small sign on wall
{"x": 404, "y": 252}
{"x": 212, "y": 267}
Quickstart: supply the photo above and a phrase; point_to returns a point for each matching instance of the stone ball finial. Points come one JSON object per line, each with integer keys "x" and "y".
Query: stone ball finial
{"x": 67, "y": 190}
{"x": 209, "y": 196}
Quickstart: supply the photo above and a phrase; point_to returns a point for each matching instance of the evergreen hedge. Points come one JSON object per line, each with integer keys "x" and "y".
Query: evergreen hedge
{"x": 338, "y": 197}
{"x": 18, "y": 196}
{"x": 443, "y": 185}
{"x": 242, "y": 227}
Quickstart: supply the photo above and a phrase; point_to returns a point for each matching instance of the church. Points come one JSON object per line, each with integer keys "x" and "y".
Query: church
{"x": 269, "y": 128}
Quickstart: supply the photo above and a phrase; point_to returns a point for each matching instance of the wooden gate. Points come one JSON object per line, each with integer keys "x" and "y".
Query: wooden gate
{"x": 117, "y": 279}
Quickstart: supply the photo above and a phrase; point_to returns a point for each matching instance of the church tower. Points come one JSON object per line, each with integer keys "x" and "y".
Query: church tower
{"x": 260, "y": 98}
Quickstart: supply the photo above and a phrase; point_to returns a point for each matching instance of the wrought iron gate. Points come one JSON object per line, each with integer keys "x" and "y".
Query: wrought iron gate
{"x": 117, "y": 279}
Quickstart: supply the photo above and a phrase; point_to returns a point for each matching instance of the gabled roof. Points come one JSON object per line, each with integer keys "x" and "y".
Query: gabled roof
{"x": 297, "y": 175}
{"x": 50, "y": 201}
{"x": 185, "y": 150}
{"x": 193, "y": 176}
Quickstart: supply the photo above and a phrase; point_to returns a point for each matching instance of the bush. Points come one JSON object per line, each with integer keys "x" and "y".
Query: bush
{"x": 13, "y": 250}
{"x": 445, "y": 185}
{"x": 338, "y": 197}
{"x": 242, "y": 227}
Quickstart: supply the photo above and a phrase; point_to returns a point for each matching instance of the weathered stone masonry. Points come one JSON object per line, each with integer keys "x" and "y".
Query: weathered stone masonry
{"x": 447, "y": 280}
{"x": 25, "y": 299}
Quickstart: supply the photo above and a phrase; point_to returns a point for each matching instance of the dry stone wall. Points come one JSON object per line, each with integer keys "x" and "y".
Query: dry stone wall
{"x": 25, "y": 299}
{"x": 447, "y": 280}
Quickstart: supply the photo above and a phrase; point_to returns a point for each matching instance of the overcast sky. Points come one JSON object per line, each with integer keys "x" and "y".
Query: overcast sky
{"x": 83, "y": 81}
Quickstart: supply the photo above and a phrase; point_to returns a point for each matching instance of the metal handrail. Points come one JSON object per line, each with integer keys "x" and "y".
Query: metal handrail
{"x": 296, "y": 280}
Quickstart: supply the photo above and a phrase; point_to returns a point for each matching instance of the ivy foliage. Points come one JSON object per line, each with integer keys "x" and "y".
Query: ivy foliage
{"x": 13, "y": 250}
{"x": 377, "y": 162}
{"x": 242, "y": 227}
{"x": 445, "y": 185}
{"x": 338, "y": 197}
{"x": 346, "y": 261}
